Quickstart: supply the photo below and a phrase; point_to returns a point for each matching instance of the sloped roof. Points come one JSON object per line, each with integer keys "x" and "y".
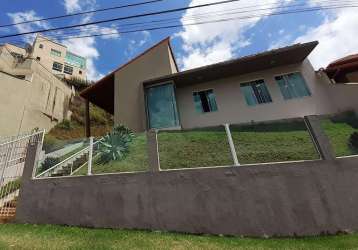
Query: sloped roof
{"x": 244, "y": 65}
{"x": 338, "y": 69}
{"x": 102, "y": 92}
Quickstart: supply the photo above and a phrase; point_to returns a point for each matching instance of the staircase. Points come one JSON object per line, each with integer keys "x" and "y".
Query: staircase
{"x": 8, "y": 211}
{"x": 71, "y": 165}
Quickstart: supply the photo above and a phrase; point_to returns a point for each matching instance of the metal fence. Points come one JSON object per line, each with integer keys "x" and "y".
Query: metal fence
{"x": 12, "y": 160}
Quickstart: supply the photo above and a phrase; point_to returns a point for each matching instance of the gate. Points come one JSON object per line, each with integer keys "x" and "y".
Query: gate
{"x": 12, "y": 160}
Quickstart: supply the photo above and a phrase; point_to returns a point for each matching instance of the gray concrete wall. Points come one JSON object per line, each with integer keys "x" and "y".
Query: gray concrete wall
{"x": 40, "y": 100}
{"x": 287, "y": 199}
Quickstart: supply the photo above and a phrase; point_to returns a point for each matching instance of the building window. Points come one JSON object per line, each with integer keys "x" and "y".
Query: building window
{"x": 38, "y": 58}
{"x": 205, "y": 101}
{"x": 57, "y": 66}
{"x": 68, "y": 70}
{"x": 75, "y": 60}
{"x": 41, "y": 46}
{"x": 55, "y": 52}
{"x": 80, "y": 72}
{"x": 292, "y": 86}
{"x": 256, "y": 92}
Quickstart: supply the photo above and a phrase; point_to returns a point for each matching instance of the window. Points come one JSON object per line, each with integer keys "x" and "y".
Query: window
{"x": 57, "y": 66}
{"x": 38, "y": 58}
{"x": 55, "y": 52}
{"x": 80, "y": 72}
{"x": 292, "y": 86}
{"x": 68, "y": 70}
{"x": 75, "y": 60}
{"x": 205, "y": 101}
{"x": 41, "y": 46}
{"x": 255, "y": 92}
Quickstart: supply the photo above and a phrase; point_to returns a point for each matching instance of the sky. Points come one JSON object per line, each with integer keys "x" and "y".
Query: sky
{"x": 195, "y": 45}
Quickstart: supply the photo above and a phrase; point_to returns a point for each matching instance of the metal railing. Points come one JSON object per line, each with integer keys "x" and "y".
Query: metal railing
{"x": 73, "y": 163}
{"x": 12, "y": 161}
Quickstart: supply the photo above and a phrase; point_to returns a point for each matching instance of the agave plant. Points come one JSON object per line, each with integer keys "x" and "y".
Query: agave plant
{"x": 114, "y": 146}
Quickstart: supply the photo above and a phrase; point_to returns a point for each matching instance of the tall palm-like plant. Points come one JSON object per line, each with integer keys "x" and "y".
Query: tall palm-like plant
{"x": 114, "y": 146}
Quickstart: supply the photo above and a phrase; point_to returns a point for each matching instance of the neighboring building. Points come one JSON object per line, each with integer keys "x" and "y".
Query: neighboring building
{"x": 149, "y": 93}
{"x": 30, "y": 95}
{"x": 344, "y": 70}
{"x": 56, "y": 58}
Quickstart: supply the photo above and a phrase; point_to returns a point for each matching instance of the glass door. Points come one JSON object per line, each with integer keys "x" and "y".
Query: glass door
{"x": 161, "y": 107}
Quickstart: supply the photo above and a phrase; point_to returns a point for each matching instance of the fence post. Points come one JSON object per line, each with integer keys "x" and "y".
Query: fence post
{"x": 153, "y": 150}
{"x": 320, "y": 139}
{"x": 90, "y": 156}
{"x": 231, "y": 144}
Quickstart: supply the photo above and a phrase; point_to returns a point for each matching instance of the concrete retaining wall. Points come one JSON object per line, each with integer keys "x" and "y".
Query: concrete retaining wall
{"x": 282, "y": 199}
{"x": 306, "y": 198}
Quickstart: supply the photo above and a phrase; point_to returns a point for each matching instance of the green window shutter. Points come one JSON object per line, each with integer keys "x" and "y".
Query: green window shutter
{"x": 292, "y": 86}
{"x": 197, "y": 103}
{"x": 300, "y": 85}
{"x": 212, "y": 101}
{"x": 249, "y": 94}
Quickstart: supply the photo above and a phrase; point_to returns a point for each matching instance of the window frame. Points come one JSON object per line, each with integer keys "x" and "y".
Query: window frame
{"x": 147, "y": 119}
{"x": 64, "y": 71}
{"x": 255, "y": 80}
{"x": 55, "y": 52}
{"x": 57, "y": 69}
{"x": 203, "y": 90}
{"x": 292, "y": 72}
{"x": 41, "y": 46}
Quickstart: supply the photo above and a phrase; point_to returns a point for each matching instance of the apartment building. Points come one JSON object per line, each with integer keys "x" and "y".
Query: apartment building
{"x": 58, "y": 59}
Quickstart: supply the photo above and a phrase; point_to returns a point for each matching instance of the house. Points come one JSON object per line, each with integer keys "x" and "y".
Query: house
{"x": 30, "y": 96}
{"x": 149, "y": 92}
{"x": 344, "y": 70}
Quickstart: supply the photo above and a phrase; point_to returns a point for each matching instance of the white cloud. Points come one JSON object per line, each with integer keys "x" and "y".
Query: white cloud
{"x": 210, "y": 43}
{"x": 86, "y": 47}
{"x": 336, "y": 36}
{"x": 27, "y": 16}
{"x": 72, "y": 6}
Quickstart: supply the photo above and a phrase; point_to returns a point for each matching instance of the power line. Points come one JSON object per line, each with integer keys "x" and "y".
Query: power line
{"x": 122, "y": 18}
{"x": 211, "y": 21}
{"x": 82, "y": 13}
{"x": 207, "y": 14}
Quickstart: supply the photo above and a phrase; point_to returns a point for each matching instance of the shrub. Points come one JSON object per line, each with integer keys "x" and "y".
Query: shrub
{"x": 51, "y": 143}
{"x": 354, "y": 140}
{"x": 49, "y": 162}
{"x": 349, "y": 117}
{"x": 114, "y": 145}
{"x": 65, "y": 124}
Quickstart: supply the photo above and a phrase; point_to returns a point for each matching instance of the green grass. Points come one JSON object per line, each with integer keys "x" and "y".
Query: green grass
{"x": 136, "y": 160}
{"x": 10, "y": 187}
{"x": 254, "y": 144}
{"x": 24, "y": 237}
{"x": 339, "y": 133}
{"x": 257, "y": 143}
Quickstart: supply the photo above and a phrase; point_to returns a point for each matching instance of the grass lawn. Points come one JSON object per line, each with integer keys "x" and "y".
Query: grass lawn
{"x": 254, "y": 144}
{"x": 339, "y": 133}
{"x": 136, "y": 160}
{"x": 257, "y": 143}
{"x": 57, "y": 237}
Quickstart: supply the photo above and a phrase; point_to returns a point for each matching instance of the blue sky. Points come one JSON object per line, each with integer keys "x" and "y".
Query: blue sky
{"x": 193, "y": 45}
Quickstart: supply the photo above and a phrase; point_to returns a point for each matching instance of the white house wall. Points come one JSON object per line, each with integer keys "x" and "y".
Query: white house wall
{"x": 232, "y": 107}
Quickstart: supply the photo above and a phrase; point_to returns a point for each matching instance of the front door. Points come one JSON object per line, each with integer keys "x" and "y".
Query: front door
{"x": 161, "y": 107}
